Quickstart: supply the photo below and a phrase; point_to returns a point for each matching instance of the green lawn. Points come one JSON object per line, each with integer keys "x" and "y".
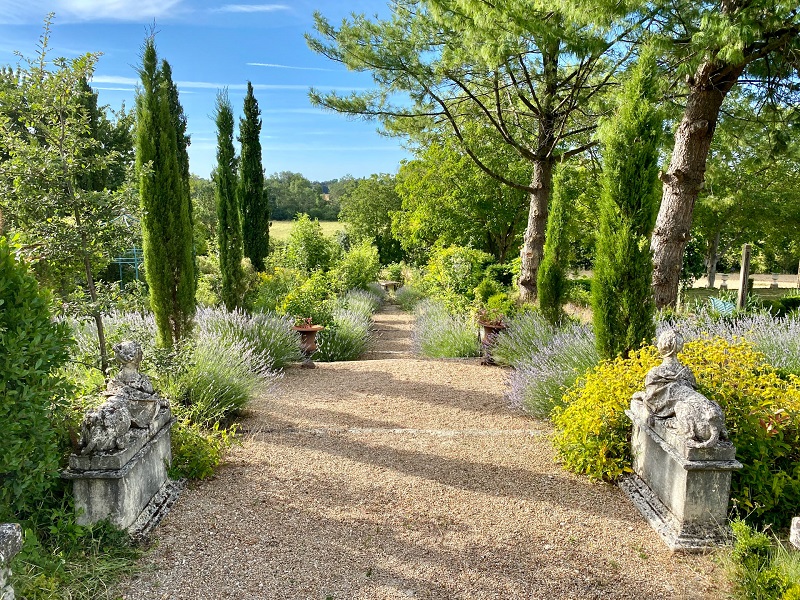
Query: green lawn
{"x": 279, "y": 230}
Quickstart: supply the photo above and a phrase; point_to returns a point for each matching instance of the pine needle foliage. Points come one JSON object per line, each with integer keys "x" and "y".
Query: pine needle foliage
{"x": 552, "y": 277}
{"x": 251, "y": 191}
{"x": 229, "y": 230}
{"x": 162, "y": 168}
{"x": 622, "y": 298}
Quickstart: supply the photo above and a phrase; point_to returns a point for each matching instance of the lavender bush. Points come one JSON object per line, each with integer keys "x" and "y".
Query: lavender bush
{"x": 540, "y": 379}
{"x": 777, "y": 337}
{"x": 347, "y": 338}
{"x": 270, "y": 336}
{"x": 438, "y": 333}
{"x": 360, "y": 301}
{"x": 408, "y": 297}
{"x": 527, "y": 333}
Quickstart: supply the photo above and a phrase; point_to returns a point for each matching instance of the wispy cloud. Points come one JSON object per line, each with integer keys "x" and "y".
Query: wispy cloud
{"x": 17, "y": 12}
{"x": 212, "y": 85}
{"x": 274, "y": 66}
{"x": 250, "y": 8}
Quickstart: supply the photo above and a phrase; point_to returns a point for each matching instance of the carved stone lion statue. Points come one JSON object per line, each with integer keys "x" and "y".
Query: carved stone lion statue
{"x": 104, "y": 429}
{"x": 671, "y": 392}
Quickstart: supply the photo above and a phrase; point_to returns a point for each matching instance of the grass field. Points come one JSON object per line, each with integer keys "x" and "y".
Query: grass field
{"x": 279, "y": 230}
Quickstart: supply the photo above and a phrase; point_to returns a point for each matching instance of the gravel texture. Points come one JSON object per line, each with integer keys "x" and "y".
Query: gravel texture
{"x": 396, "y": 477}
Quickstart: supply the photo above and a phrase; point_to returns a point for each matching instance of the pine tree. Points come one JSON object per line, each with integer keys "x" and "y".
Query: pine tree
{"x": 251, "y": 192}
{"x": 622, "y": 297}
{"x": 229, "y": 229}
{"x": 164, "y": 194}
{"x": 552, "y": 277}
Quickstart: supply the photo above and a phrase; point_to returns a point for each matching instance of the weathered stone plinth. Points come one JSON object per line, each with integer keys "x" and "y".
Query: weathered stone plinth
{"x": 119, "y": 485}
{"x": 10, "y": 545}
{"x": 682, "y": 491}
{"x": 794, "y": 535}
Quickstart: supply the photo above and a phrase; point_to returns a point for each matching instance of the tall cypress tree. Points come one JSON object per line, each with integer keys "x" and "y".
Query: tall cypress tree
{"x": 229, "y": 229}
{"x": 251, "y": 192}
{"x": 622, "y": 297}
{"x": 551, "y": 280}
{"x": 164, "y": 196}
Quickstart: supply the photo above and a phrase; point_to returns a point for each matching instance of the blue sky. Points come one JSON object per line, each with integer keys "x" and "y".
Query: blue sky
{"x": 213, "y": 44}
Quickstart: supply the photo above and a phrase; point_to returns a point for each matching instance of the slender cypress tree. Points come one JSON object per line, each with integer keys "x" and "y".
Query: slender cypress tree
{"x": 251, "y": 192}
{"x": 164, "y": 195}
{"x": 229, "y": 229}
{"x": 622, "y": 297}
{"x": 552, "y": 277}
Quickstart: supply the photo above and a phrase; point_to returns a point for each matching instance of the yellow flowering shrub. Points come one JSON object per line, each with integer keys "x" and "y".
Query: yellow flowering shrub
{"x": 762, "y": 410}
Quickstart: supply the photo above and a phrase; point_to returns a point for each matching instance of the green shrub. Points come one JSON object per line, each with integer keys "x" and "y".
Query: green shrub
{"x": 358, "y": 268}
{"x": 452, "y": 274}
{"x": 196, "y": 451}
{"x": 308, "y": 249}
{"x": 311, "y": 299}
{"x": 762, "y": 409}
{"x": 439, "y": 333}
{"x": 273, "y": 285}
{"x": 32, "y": 349}
{"x": 762, "y": 568}
{"x": 393, "y": 272}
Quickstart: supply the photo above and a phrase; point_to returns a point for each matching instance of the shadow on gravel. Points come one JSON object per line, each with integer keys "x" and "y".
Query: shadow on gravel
{"x": 472, "y": 476}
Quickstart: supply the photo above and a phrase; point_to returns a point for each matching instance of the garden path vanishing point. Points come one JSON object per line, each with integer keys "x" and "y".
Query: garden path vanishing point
{"x": 400, "y": 477}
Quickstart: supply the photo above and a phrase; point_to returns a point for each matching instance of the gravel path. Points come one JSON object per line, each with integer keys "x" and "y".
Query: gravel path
{"x": 396, "y": 477}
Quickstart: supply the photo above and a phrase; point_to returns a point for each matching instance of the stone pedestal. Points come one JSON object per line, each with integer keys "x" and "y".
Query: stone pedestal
{"x": 682, "y": 491}
{"x": 118, "y": 486}
{"x": 10, "y": 545}
{"x": 794, "y": 535}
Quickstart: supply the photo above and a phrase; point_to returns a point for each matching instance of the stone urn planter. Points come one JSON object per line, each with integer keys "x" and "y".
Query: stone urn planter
{"x": 489, "y": 332}
{"x": 308, "y": 342}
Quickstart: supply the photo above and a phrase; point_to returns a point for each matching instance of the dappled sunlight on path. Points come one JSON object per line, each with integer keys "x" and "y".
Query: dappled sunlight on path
{"x": 398, "y": 477}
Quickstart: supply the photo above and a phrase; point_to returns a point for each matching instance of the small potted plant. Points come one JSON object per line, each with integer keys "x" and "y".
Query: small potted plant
{"x": 492, "y": 322}
{"x": 308, "y": 338}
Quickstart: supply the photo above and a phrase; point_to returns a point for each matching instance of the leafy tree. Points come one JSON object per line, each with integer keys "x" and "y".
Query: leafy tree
{"x": 711, "y": 49}
{"x": 230, "y": 226}
{"x": 34, "y": 348}
{"x": 367, "y": 210}
{"x": 533, "y": 74}
{"x": 447, "y": 200}
{"x": 291, "y": 194}
{"x": 752, "y": 191}
{"x": 622, "y": 298}
{"x": 167, "y": 228}
{"x": 251, "y": 191}
{"x": 63, "y": 175}
{"x": 552, "y": 282}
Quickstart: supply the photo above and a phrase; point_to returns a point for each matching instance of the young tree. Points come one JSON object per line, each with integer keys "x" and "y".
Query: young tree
{"x": 622, "y": 297}
{"x": 251, "y": 191}
{"x": 63, "y": 175}
{"x": 552, "y": 278}
{"x": 167, "y": 228}
{"x": 533, "y": 74}
{"x": 229, "y": 229}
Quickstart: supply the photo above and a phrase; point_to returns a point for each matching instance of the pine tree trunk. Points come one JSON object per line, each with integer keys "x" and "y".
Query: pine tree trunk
{"x": 711, "y": 262}
{"x": 533, "y": 242}
{"x": 685, "y": 176}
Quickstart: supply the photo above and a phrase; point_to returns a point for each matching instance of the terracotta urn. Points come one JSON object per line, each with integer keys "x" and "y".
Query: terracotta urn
{"x": 489, "y": 334}
{"x": 308, "y": 341}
